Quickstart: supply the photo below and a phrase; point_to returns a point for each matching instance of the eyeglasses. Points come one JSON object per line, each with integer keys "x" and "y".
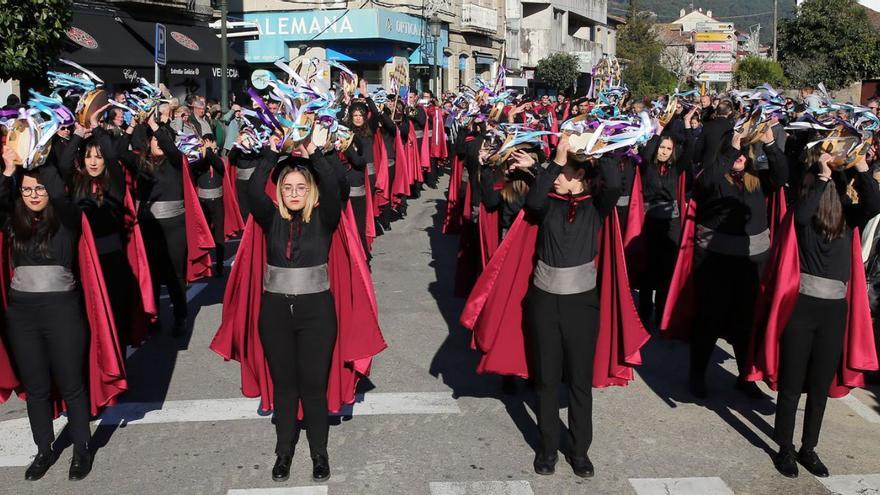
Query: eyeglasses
{"x": 27, "y": 192}
{"x": 300, "y": 190}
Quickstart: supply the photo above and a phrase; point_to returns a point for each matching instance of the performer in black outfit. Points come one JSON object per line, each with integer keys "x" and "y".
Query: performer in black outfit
{"x": 561, "y": 309}
{"x": 97, "y": 185}
{"x": 244, "y": 163}
{"x": 45, "y": 324}
{"x": 209, "y": 186}
{"x": 732, "y": 246}
{"x": 811, "y": 345}
{"x": 297, "y": 322}
{"x": 662, "y": 165}
{"x": 159, "y": 170}
{"x": 389, "y": 131}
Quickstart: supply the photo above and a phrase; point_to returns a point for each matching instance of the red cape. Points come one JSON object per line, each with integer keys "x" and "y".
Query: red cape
{"x": 232, "y": 221}
{"x": 633, "y": 241}
{"x": 199, "y": 241}
{"x": 452, "y": 220}
{"x": 359, "y": 336}
{"x": 143, "y": 300}
{"x": 681, "y": 302}
{"x": 106, "y": 370}
{"x": 414, "y": 155}
{"x": 380, "y": 162}
{"x": 369, "y": 212}
{"x": 494, "y": 309}
{"x": 437, "y": 144}
{"x": 489, "y": 234}
{"x": 776, "y": 302}
{"x": 402, "y": 175}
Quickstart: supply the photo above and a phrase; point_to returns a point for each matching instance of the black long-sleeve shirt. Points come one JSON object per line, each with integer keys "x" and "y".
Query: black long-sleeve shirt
{"x": 493, "y": 200}
{"x": 63, "y": 242}
{"x": 209, "y": 171}
{"x": 309, "y": 242}
{"x": 107, "y": 217}
{"x": 725, "y": 207}
{"x": 239, "y": 159}
{"x": 660, "y": 180}
{"x": 164, "y": 182}
{"x": 387, "y": 126}
{"x": 562, "y": 243}
{"x": 830, "y": 259}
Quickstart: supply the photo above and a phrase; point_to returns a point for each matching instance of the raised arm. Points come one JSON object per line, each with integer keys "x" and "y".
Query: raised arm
{"x": 261, "y": 205}
{"x": 166, "y": 143}
{"x": 68, "y": 212}
{"x": 611, "y": 185}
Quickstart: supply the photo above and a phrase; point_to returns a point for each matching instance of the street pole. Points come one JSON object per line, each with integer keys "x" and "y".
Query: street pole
{"x": 775, "y": 15}
{"x": 436, "y": 67}
{"x": 224, "y": 66}
{"x": 155, "y": 73}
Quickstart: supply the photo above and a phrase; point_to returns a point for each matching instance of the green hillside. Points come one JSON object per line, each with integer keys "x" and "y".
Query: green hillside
{"x": 743, "y": 14}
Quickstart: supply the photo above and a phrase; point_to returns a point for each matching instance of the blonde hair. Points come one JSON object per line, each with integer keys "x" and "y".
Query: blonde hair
{"x": 311, "y": 197}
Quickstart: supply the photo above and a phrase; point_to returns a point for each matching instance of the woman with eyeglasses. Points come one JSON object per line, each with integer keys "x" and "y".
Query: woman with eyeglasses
{"x": 45, "y": 328}
{"x": 297, "y": 320}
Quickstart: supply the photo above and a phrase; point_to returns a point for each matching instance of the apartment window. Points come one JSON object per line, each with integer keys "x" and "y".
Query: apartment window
{"x": 462, "y": 70}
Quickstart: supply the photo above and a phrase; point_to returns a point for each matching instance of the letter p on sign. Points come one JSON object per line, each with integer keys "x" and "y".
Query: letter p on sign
{"x": 161, "y": 44}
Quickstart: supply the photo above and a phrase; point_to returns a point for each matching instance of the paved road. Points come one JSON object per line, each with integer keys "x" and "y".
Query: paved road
{"x": 427, "y": 423}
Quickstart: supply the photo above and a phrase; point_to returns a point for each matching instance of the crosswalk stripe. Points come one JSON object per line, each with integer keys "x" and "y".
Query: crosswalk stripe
{"x": 17, "y": 448}
{"x": 295, "y": 490}
{"x": 481, "y": 488}
{"x": 680, "y": 486}
{"x": 852, "y": 484}
{"x": 859, "y": 407}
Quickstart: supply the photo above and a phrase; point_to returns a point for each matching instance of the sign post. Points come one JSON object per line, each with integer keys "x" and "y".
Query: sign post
{"x": 159, "y": 55}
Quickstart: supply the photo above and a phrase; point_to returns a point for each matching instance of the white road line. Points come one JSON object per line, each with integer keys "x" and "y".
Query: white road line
{"x": 852, "y": 484}
{"x": 295, "y": 490}
{"x": 860, "y": 408}
{"x": 680, "y": 486}
{"x": 192, "y": 292}
{"x": 481, "y": 488}
{"x": 17, "y": 448}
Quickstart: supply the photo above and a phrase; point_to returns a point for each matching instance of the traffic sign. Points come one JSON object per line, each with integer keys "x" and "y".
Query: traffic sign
{"x": 161, "y": 44}
{"x": 715, "y": 77}
{"x": 713, "y": 37}
{"x": 717, "y": 57}
{"x": 717, "y": 46}
{"x": 714, "y": 26}
{"x": 717, "y": 67}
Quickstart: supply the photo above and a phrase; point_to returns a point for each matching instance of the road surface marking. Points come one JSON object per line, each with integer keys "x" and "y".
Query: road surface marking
{"x": 680, "y": 486}
{"x": 295, "y": 490}
{"x": 481, "y": 488}
{"x": 852, "y": 484}
{"x": 860, "y": 408}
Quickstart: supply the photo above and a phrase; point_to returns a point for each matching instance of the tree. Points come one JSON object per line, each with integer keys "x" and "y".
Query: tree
{"x": 754, "y": 71}
{"x": 31, "y": 36}
{"x": 638, "y": 45}
{"x": 559, "y": 70}
{"x": 830, "y": 41}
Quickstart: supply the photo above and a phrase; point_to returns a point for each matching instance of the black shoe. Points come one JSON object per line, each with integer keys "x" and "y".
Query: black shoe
{"x": 281, "y": 470}
{"x": 320, "y": 468}
{"x": 812, "y": 463}
{"x": 545, "y": 465}
{"x": 179, "y": 328}
{"x": 41, "y": 464}
{"x": 698, "y": 388}
{"x": 785, "y": 463}
{"x": 581, "y": 466}
{"x": 80, "y": 464}
{"x": 750, "y": 389}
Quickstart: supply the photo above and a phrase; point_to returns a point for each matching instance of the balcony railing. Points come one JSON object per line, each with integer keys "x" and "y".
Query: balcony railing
{"x": 478, "y": 18}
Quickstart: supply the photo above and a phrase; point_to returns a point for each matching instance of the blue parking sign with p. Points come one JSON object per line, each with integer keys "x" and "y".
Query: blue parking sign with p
{"x": 161, "y": 44}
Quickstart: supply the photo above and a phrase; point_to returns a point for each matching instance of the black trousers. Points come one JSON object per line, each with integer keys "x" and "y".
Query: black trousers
{"x": 48, "y": 338}
{"x": 561, "y": 333}
{"x": 359, "y": 209}
{"x": 726, "y": 288}
{"x": 661, "y": 252}
{"x": 120, "y": 286}
{"x": 810, "y": 351}
{"x": 165, "y": 242}
{"x": 298, "y": 334}
{"x": 241, "y": 187}
{"x": 214, "y": 214}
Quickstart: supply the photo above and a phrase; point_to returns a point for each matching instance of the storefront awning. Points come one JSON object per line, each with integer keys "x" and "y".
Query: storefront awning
{"x": 101, "y": 44}
{"x": 192, "y": 51}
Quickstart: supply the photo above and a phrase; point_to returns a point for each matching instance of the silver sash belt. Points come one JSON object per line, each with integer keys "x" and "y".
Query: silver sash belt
{"x": 392, "y": 162}
{"x": 465, "y": 175}
{"x": 564, "y": 281}
{"x": 663, "y": 209}
{"x": 215, "y": 193}
{"x": 821, "y": 287}
{"x": 732, "y": 244}
{"x": 296, "y": 281}
{"x": 357, "y": 191}
{"x": 244, "y": 173}
{"x": 623, "y": 201}
{"x": 43, "y": 278}
{"x": 108, "y": 244}
{"x": 167, "y": 209}
{"x": 371, "y": 168}
{"x": 419, "y": 134}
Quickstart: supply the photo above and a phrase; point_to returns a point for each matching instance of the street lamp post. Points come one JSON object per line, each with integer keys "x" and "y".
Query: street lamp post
{"x": 434, "y": 25}
{"x": 224, "y": 49}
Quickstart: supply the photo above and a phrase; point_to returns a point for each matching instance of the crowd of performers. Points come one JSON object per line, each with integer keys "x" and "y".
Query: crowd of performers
{"x": 581, "y": 224}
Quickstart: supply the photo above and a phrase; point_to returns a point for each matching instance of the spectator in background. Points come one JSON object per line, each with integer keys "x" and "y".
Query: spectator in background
{"x": 234, "y": 122}
{"x": 181, "y": 123}
{"x": 810, "y": 100}
{"x": 199, "y": 120}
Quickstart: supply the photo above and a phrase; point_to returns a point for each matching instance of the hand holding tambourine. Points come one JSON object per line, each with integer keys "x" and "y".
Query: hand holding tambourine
{"x": 10, "y": 160}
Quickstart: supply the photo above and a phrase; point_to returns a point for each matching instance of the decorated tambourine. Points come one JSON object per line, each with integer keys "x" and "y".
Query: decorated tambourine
{"x": 606, "y": 73}
{"x": 87, "y": 85}
{"x": 142, "y": 101}
{"x": 671, "y": 104}
{"x": 846, "y": 145}
{"x": 30, "y": 130}
{"x": 595, "y": 138}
